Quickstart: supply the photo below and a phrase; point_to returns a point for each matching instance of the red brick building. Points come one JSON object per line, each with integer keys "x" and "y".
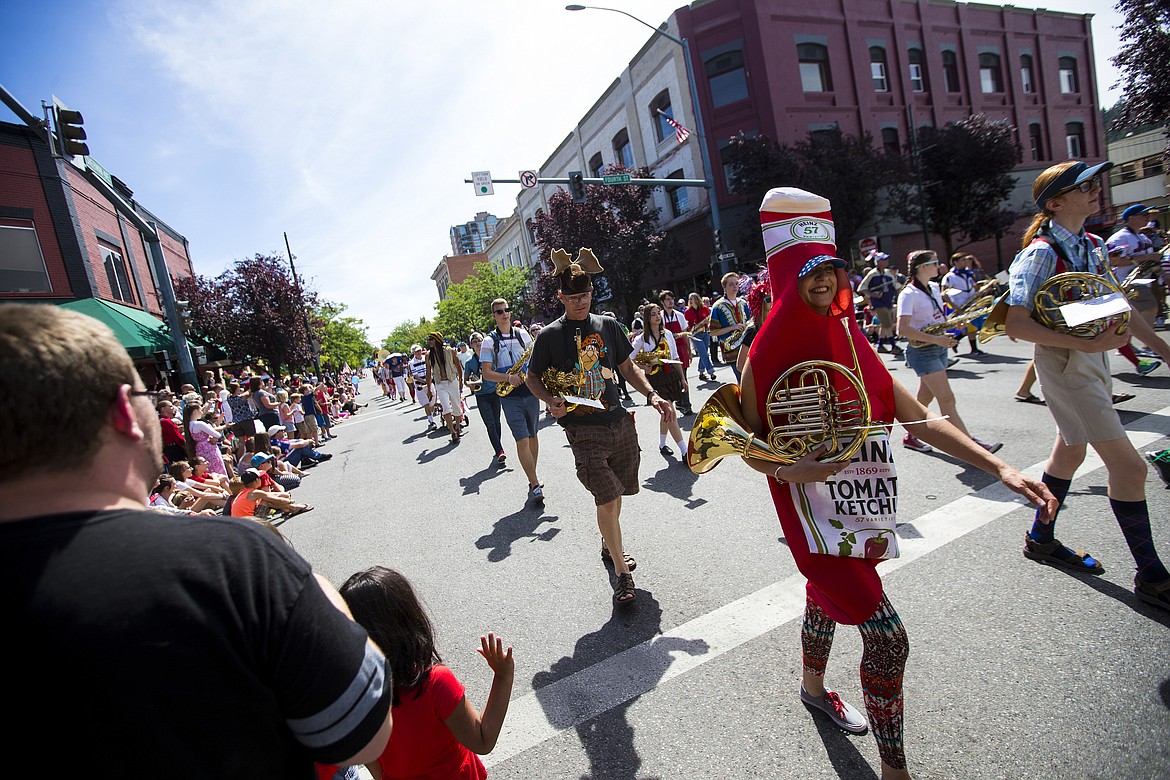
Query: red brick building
{"x": 785, "y": 69}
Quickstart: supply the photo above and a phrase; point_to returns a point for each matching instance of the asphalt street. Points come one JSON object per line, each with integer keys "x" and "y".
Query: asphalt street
{"x": 1016, "y": 670}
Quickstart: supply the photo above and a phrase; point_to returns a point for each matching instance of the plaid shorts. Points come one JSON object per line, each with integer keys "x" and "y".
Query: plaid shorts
{"x": 607, "y": 458}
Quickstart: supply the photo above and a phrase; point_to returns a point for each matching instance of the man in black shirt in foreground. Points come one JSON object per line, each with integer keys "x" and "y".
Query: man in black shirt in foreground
{"x": 601, "y": 433}
{"x": 139, "y": 644}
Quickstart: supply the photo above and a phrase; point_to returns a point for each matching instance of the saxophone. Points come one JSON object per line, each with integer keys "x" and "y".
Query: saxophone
{"x": 735, "y": 339}
{"x": 519, "y": 367}
{"x": 651, "y": 362}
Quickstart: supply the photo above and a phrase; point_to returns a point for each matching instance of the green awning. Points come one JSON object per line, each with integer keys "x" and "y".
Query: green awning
{"x": 142, "y": 334}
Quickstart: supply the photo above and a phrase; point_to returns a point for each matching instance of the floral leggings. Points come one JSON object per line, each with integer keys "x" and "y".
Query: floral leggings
{"x": 883, "y": 661}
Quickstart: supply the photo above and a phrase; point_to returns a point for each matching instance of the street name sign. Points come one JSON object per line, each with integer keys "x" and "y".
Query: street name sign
{"x": 616, "y": 178}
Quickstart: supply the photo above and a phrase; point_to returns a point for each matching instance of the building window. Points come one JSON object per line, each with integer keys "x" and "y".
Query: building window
{"x": 1074, "y": 140}
{"x": 1036, "y": 141}
{"x": 22, "y": 266}
{"x": 990, "y": 75}
{"x": 918, "y": 82}
{"x": 530, "y": 226}
{"x": 1068, "y": 76}
{"x": 877, "y": 69}
{"x": 1026, "y": 80}
{"x": 659, "y": 110}
{"x": 623, "y": 152}
{"x": 951, "y": 71}
{"x": 814, "y": 68}
{"x": 116, "y": 275}
{"x": 822, "y": 133}
{"x": 596, "y": 165}
{"x": 725, "y": 74}
{"x": 677, "y": 195}
{"x": 890, "y": 141}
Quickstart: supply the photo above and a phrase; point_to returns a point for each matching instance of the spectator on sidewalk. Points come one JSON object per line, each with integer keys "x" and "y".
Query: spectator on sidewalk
{"x": 210, "y": 649}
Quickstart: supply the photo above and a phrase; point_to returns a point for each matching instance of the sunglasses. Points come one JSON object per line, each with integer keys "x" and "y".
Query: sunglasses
{"x": 1088, "y": 185}
{"x": 501, "y": 311}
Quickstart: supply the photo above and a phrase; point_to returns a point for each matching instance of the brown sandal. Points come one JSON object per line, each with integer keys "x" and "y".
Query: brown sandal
{"x": 623, "y": 589}
{"x": 631, "y": 564}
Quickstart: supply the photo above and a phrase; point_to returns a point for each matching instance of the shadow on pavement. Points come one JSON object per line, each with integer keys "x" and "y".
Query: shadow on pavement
{"x": 472, "y": 483}
{"x": 608, "y": 738}
{"x": 514, "y": 527}
{"x": 676, "y": 480}
{"x": 1164, "y": 692}
{"x": 426, "y": 456}
{"x": 843, "y": 753}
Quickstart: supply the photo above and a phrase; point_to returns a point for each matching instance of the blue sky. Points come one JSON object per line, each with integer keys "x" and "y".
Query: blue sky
{"x": 350, "y": 124}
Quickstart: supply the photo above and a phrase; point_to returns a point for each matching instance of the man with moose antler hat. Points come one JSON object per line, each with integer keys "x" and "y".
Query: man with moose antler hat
{"x": 592, "y": 348}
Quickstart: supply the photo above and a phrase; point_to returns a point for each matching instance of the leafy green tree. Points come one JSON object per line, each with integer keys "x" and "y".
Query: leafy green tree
{"x": 467, "y": 306}
{"x": 343, "y": 339}
{"x": 621, "y": 227}
{"x": 254, "y": 310}
{"x": 408, "y": 333}
{"x": 1142, "y": 61}
{"x": 847, "y": 170}
{"x": 966, "y": 173}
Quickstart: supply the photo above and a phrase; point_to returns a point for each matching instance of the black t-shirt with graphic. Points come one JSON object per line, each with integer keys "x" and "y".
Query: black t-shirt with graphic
{"x": 603, "y": 348}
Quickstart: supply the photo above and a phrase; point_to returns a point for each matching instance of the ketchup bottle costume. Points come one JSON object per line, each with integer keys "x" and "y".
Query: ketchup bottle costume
{"x": 797, "y": 226}
{"x": 848, "y": 589}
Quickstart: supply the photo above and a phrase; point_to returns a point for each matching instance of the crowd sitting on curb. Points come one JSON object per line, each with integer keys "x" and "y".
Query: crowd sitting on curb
{"x": 211, "y": 439}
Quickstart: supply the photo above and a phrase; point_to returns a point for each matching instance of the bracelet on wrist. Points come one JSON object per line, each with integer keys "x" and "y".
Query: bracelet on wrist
{"x": 776, "y": 475}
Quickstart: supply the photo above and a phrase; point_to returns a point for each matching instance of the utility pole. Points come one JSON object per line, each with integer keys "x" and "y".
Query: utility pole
{"x": 304, "y": 312}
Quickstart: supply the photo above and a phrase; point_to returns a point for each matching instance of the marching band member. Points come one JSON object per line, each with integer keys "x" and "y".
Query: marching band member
{"x": 811, "y": 296}
{"x": 603, "y": 440}
{"x": 669, "y": 380}
{"x": 733, "y": 318}
{"x": 1074, "y": 373}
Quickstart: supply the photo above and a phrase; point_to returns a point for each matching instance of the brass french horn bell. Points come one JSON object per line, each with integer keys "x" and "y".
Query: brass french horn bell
{"x": 720, "y": 431}
{"x": 1071, "y": 287}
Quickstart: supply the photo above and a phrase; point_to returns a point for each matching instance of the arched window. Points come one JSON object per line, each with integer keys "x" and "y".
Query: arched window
{"x": 660, "y": 109}
{"x": 725, "y": 74}
{"x": 951, "y": 71}
{"x": 877, "y": 69}
{"x": 677, "y": 195}
{"x": 1027, "y": 79}
{"x": 596, "y": 164}
{"x": 530, "y": 225}
{"x": 918, "y": 82}
{"x": 890, "y": 141}
{"x": 815, "y": 75}
{"x": 1074, "y": 140}
{"x": 990, "y": 73}
{"x": 1068, "y": 76}
{"x": 1036, "y": 141}
{"x": 622, "y": 151}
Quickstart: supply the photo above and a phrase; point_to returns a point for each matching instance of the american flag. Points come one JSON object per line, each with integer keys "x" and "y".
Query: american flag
{"x": 680, "y": 132}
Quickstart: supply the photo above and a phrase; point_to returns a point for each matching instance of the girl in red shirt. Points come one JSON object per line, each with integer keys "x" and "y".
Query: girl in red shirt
{"x": 437, "y": 732}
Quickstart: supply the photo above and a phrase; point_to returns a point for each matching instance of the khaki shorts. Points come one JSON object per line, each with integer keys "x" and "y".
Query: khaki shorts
{"x": 607, "y": 458}
{"x": 885, "y": 318}
{"x": 1079, "y": 391}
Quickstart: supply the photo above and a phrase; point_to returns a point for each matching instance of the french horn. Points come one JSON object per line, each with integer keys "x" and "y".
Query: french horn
{"x": 1072, "y": 287}
{"x": 804, "y": 411}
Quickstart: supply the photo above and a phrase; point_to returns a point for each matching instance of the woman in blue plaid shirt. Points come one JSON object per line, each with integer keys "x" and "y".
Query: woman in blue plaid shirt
{"x": 1074, "y": 373}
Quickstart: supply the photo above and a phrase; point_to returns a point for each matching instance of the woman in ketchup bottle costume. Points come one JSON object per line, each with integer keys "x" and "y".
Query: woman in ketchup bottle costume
{"x": 812, "y": 320}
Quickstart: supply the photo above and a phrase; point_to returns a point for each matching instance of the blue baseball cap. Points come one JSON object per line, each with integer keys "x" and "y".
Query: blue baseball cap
{"x": 1135, "y": 210}
{"x": 816, "y": 262}
{"x": 259, "y": 459}
{"x": 1070, "y": 177}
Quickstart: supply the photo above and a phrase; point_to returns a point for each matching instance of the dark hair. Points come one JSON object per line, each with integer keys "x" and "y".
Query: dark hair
{"x": 383, "y": 602}
{"x": 176, "y": 468}
{"x": 188, "y": 440}
{"x": 164, "y": 481}
{"x": 644, "y": 313}
{"x": 917, "y": 259}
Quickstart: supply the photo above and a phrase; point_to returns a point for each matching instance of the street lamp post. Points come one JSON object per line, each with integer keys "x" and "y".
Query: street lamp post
{"x": 709, "y": 172}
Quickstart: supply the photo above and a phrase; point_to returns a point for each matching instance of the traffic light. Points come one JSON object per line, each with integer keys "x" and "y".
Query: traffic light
{"x": 183, "y": 310}
{"x": 199, "y": 355}
{"x": 577, "y": 186}
{"x": 718, "y": 240}
{"x": 162, "y": 361}
{"x": 70, "y": 133}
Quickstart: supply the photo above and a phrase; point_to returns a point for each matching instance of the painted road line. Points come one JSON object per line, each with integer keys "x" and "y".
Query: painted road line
{"x": 546, "y": 712}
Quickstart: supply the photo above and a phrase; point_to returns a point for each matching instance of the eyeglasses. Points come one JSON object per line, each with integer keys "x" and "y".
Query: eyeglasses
{"x": 153, "y": 395}
{"x": 501, "y": 311}
{"x": 1088, "y": 185}
{"x": 579, "y": 297}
